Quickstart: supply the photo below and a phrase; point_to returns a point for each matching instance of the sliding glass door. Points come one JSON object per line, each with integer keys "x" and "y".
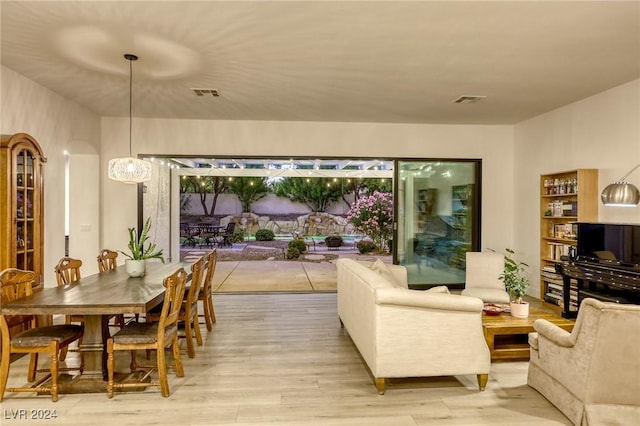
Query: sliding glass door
{"x": 438, "y": 219}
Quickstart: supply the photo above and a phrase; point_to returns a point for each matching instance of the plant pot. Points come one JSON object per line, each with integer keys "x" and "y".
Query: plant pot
{"x": 519, "y": 310}
{"x": 135, "y": 268}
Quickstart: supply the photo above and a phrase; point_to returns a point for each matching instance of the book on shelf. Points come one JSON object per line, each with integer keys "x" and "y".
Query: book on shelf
{"x": 557, "y": 250}
{"x": 553, "y": 299}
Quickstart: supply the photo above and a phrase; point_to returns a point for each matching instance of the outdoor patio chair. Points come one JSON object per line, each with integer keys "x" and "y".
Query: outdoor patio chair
{"x": 188, "y": 234}
{"x": 227, "y": 235}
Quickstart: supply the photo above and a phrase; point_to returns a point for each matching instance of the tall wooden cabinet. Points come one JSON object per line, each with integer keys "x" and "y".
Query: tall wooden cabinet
{"x": 566, "y": 197}
{"x": 22, "y": 204}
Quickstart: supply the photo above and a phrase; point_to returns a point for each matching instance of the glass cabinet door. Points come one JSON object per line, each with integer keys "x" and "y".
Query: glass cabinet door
{"x": 438, "y": 221}
{"x": 25, "y": 213}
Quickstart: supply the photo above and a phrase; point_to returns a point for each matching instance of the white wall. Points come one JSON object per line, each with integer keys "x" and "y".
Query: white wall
{"x": 58, "y": 124}
{"x": 601, "y": 132}
{"x": 492, "y": 144}
{"x": 84, "y": 210}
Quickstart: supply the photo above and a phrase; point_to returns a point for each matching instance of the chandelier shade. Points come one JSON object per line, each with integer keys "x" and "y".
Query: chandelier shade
{"x": 129, "y": 169}
{"x": 621, "y": 193}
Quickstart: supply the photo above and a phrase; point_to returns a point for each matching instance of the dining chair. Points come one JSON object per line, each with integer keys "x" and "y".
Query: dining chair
{"x": 227, "y": 235}
{"x": 189, "y": 310}
{"x": 205, "y": 291}
{"x": 67, "y": 272}
{"x": 16, "y": 283}
{"x": 107, "y": 261}
{"x": 151, "y": 336}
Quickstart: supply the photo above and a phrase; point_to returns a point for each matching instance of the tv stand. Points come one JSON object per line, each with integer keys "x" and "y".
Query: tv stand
{"x": 605, "y": 282}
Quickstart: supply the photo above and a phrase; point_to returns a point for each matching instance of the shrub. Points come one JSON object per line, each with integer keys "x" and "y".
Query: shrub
{"x": 373, "y": 216}
{"x": 265, "y": 235}
{"x": 298, "y": 244}
{"x": 238, "y": 235}
{"x": 365, "y": 246}
{"x": 293, "y": 253}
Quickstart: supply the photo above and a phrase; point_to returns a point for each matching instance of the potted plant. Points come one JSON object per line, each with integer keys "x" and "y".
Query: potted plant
{"x": 136, "y": 262}
{"x": 515, "y": 283}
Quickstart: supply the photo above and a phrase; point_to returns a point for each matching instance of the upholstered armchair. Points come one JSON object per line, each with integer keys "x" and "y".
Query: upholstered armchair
{"x": 592, "y": 374}
{"x": 482, "y": 277}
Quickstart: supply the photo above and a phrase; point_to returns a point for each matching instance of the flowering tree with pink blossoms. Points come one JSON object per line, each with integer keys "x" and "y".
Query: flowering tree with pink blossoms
{"x": 373, "y": 216}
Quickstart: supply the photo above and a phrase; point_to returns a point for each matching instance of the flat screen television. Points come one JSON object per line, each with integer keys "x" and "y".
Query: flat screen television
{"x": 609, "y": 243}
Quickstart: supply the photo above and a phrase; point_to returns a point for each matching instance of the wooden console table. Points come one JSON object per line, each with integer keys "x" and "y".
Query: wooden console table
{"x": 507, "y": 336}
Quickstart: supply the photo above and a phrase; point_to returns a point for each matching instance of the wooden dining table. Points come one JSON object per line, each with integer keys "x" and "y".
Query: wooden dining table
{"x": 97, "y": 297}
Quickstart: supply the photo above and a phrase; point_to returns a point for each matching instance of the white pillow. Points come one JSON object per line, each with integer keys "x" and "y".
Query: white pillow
{"x": 438, "y": 289}
{"x": 380, "y": 267}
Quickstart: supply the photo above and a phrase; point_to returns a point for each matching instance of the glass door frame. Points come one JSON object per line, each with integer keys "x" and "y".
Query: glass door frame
{"x": 476, "y": 217}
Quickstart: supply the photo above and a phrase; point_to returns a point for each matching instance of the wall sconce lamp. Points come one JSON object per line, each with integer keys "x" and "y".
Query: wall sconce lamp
{"x": 621, "y": 193}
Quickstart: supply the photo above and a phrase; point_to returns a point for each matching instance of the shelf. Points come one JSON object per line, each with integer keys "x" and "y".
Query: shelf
{"x": 583, "y": 204}
{"x": 560, "y": 240}
{"x": 574, "y": 194}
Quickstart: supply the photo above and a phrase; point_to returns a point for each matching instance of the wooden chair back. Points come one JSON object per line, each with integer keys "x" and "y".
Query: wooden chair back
{"x": 107, "y": 260}
{"x": 68, "y": 271}
{"x": 197, "y": 274}
{"x": 212, "y": 261}
{"x": 14, "y": 284}
{"x": 175, "y": 285}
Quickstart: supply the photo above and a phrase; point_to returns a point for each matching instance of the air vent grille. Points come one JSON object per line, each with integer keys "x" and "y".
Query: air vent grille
{"x": 468, "y": 99}
{"x": 205, "y": 92}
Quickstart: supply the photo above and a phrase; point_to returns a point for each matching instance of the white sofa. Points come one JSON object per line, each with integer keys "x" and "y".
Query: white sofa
{"x": 592, "y": 374}
{"x": 410, "y": 333}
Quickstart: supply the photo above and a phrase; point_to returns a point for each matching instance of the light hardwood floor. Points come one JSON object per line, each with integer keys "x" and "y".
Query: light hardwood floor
{"x": 283, "y": 359}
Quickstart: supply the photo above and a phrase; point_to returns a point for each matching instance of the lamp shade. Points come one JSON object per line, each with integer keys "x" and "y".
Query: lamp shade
{"x": 620, "y": 194}
{"x": 129, "y": 170}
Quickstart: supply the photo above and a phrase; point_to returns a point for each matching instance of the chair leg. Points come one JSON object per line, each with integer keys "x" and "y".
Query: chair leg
{"x": 207, "y": 316}
{"x": 212, "y": 312}
{"x": 162, "y": 372}
{"x": 196, "y": 326}
{"x": 133, "y": 366}
{"x": 63, "y": 353}
{"x": 4, "y": 370}
{"x": 111, "y": 365}
{"x": 191, "y": 351}
{"x": 53, "y": 352}
{"x": 33, "y": 366}
{"x": 177, "y": 358}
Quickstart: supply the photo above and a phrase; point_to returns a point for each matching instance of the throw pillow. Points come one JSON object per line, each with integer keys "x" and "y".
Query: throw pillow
{"x": 380, "y": 267}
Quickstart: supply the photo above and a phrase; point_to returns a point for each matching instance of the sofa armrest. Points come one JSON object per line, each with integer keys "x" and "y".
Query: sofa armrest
{"x": 421, "y": 299}
{"x": 553, "y": 333}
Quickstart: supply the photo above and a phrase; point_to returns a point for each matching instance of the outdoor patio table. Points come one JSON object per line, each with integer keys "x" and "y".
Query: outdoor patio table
{"x": 97, "y": 297}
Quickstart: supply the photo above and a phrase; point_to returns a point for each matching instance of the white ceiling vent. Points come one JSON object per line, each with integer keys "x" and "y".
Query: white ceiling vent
{"x": 468, "y": 99}
{"x": 205, "y": 92}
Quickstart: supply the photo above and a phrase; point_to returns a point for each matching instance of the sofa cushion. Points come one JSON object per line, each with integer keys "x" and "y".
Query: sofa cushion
{"x": 380, "y": 267}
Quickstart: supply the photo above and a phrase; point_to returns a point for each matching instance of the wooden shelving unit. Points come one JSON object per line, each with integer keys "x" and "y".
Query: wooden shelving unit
{"x": 565, "y": 198}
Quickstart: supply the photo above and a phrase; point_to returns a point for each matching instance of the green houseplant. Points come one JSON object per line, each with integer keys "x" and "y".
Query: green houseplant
{"x": 515, "y": 283}
{"x": 138, "y": 253}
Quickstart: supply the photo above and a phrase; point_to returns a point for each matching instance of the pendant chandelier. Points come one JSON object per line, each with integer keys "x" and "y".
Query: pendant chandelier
{"x": 130, "y": 169}
{"x": 621, "y": 193}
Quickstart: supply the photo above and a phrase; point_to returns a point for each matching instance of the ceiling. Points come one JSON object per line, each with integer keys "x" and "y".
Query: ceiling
{"x": 354, "y": 61}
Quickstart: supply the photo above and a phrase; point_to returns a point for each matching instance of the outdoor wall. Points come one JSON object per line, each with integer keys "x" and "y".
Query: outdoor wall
{"x": 601, "y": 132}
{"x": 58, "y": 124}
{"x": 270, "y": 204}
{"x": 492, "y": 144}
